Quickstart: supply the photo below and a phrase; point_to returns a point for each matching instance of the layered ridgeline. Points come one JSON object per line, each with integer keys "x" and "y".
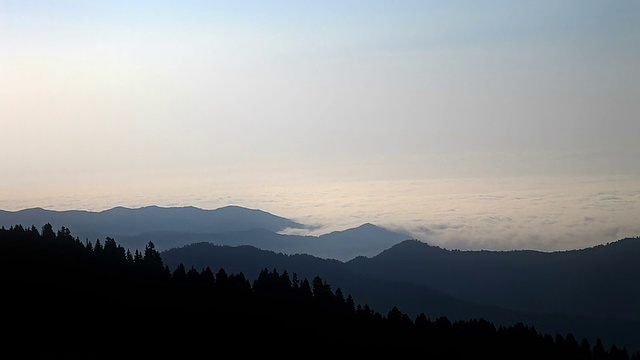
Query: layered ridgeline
{"x": 600, "y": 281}
{"x": 591, "y": 292}
{"x": 69, "y": 299}
{"x": 170, "y": 227}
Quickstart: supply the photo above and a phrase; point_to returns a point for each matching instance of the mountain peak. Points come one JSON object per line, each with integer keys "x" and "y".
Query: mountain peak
{"x": 238, "y": 208}
{"x": 368, "y": 225}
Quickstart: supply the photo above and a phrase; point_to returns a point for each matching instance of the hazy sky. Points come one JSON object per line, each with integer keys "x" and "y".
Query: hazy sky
{"x": 101, "y": 98}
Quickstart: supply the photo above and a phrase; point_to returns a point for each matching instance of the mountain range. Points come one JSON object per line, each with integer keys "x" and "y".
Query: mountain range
{"x": 230, "y": 225}
{"x": 403, "y": 276}
{"x": 122, "y": 221}
{"x": 591, "y": 292}
{"x": 600, "y": 281}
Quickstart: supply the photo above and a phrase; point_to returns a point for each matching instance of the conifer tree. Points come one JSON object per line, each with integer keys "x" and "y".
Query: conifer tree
{"x": 179, "y": 274}
{"x": 207, "y": 276}
{"x": 47, "y": 233}
{"x": 598, "y": 351}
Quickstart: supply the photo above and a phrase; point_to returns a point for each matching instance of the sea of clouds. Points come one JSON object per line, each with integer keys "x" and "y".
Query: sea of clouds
{"x": 540, "y": 213}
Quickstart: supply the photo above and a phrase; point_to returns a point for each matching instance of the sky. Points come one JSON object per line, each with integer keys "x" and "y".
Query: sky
{"x": 308, "y": 109}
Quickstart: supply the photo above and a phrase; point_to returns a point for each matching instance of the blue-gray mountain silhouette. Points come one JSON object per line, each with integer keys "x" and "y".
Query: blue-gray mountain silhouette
{"x": 122, "y": 221}
{"x": 231, "y": 225}
{"x": 364, "y": 240}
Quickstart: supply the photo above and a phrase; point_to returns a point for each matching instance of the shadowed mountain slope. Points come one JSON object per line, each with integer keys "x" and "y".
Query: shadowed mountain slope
{"x": 601, "y": 281}
{"x": 365, "y": 240}
{"x": 380, "y": 294}
{"x": 381, "y": 290}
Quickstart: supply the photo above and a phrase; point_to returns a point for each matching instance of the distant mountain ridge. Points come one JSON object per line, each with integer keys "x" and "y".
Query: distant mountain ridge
{"x": 170, "y": 227}
{"x": 122, "y": 221}
{"x": 365, "y": 240}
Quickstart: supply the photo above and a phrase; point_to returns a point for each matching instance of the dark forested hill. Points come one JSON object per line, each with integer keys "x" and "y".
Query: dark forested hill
{"x": 68, "y": 299}
{"x": 601, "y": 281}
{"x": 382, "y": 291}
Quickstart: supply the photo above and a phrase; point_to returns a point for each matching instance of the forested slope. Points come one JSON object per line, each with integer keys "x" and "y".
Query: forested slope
{"x": 70, "y": 299}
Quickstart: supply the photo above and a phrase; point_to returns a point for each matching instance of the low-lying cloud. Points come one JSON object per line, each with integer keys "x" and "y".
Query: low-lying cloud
{"x": 546, "y": 214}
{"x": 537, "y": 213}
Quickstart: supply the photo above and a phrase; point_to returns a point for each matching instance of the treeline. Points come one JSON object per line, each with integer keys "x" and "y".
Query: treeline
{"x": 72, "y": 299}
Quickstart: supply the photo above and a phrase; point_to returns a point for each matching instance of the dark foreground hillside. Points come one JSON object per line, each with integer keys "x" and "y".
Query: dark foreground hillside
{"x": 67, "y": 299}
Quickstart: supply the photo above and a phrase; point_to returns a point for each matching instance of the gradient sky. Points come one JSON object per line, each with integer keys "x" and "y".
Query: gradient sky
{"x": 102, "y": 98}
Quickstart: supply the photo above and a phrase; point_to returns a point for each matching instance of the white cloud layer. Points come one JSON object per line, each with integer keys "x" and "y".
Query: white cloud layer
{"x": 541, "y": 213}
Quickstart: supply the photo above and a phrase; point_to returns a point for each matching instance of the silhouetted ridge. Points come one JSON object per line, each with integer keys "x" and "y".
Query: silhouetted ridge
{"x": 411, "y": 249}
{"x": 382, "y": 288}
{"x": 114, "y": 303}
{"x": 123, "y": 221}
{"x": 571, "y": 282}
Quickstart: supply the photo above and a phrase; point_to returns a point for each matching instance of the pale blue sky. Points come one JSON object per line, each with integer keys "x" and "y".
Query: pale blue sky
{"x": 114, "y": 93}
